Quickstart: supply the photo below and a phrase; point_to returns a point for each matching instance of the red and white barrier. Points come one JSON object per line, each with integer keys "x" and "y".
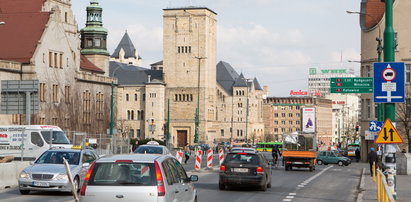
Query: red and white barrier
{"x": 198, "y": 160}
{"x": 179, "y": 156}
{"x": 210, "y": 158}
{"x": 221, "y": 156}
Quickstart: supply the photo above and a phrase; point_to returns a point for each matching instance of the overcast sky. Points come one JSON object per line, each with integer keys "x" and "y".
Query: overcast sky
{"x": 276, "y": 41}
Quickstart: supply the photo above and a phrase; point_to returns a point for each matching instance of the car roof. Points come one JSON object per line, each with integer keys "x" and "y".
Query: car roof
{"x": 151, "y": 145}
{"x": 150, "y": 158}
{"x": 243, "y": 151}
{"x": 68, "y": 150}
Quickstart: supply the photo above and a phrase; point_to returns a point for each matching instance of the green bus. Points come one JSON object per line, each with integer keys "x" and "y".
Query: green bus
{"x": 268, "y": 146}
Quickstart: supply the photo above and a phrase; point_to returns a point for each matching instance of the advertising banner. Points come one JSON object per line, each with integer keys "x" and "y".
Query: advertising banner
{"x": 308, "y": 120}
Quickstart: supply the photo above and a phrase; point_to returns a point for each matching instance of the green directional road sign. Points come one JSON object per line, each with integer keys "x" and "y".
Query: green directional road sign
{"x": 351, "y": 85}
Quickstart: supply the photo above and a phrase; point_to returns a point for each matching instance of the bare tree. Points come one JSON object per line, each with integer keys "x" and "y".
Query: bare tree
{"x": 403, "y": 114}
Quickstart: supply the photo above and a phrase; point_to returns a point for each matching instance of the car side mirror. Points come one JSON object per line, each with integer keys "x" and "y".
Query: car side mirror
{"x": 193, "y": 178}
{"x": 31, "y": 163}
{"x": 86, "y": 164}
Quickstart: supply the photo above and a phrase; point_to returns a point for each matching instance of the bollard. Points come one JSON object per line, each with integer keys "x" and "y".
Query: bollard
{"x": 221, "y": 156}
{"x": 179, "y": 156}
{"x": 210, "y": 158}
{"x": 198, "y": 160}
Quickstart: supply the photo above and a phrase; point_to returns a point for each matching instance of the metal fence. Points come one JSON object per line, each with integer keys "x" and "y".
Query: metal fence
{"x": 103, "y": 144}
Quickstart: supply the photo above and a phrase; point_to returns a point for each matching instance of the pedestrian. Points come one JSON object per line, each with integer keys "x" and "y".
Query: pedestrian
{"x": 372, "y": 159}
{"x": 357, "y": 154}
{"x": 186, "y": 155}
{"x": 275, "y": 152}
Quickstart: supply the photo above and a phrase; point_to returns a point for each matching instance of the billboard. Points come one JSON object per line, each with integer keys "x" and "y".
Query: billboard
{"x": 308, "y": 120}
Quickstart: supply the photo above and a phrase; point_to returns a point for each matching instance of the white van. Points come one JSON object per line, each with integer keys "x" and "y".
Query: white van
{"x": 35, "y": 139}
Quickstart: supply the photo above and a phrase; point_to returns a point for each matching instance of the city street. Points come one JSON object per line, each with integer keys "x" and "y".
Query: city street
{"x": 326, "y": 183}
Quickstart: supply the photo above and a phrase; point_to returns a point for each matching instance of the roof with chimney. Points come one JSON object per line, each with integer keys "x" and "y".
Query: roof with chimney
{"x": 24, "y": 25}
{"x": 228, "y": 78}
{"x": 134, "y": 75}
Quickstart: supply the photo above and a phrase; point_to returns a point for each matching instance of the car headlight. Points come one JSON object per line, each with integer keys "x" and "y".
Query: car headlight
{"x": 62, "y": 176}
{"x": 24, "y": 175}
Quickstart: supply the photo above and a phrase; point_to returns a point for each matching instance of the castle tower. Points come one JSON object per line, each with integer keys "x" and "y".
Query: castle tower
{"x": 94, "y": 37}
{"x": 189, "y": 59}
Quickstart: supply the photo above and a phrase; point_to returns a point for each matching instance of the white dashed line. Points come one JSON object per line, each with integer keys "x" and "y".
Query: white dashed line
{"x": 307, "y": 181}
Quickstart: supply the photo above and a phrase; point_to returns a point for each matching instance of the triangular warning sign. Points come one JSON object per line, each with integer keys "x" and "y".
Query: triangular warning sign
{"x": 388, "y": 134}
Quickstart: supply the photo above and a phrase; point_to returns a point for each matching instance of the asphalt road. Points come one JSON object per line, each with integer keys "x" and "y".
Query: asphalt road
{"x": 326, "y": 183}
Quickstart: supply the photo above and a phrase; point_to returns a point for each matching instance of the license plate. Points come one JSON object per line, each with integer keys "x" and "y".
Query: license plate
{"x": 298, "y": 163}
{"x": 41, "y": 184}
{"x": 240, "y": 170}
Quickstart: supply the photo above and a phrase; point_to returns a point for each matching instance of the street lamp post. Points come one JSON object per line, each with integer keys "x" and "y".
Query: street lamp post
{"x": 197, "y": 114}
{"x": 380, "y": 106}
{"x": 246, "y": 113}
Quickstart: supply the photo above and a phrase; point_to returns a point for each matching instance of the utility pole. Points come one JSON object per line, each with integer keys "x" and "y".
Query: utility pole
{"x": 112, "y": 110}
{"x": 246, "y": 113}
{"x": 168, "y": 124}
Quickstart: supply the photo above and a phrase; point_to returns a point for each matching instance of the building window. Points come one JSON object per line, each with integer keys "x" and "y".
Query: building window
{"x": 66, "y": 122}
{"x": 67, "y": 94}
{"x": 132, "y": 114}
{"x": 97, "y": 43}
{"x": 65, "y": 17}
{"x": 276, "y": 115}
{"x": 138, "y": 133}
{"x": 290, "y": 115}
{"x": 368, "y": 105}
{"x": 50, "y": 59}
{"x": 86, "y": 107}
{"x": 126, "y": 97}
{"x": 128, "y": 115}
{"x": 368, "y": 71}
{"x": 282, "y": 108}
{"x": 290, "y": 122}
{"x": 89, "y": 43}
{"x": 15, "y": 118}
{"x": 283, "y": 122}
{"x": 222, "y": 132}
{"x": 282, "y": 114}
{"x": 54, "y": 121}
{"x": 276, "y": 130}
{"x": 131, "y": 133}
{"x": 100, "y": 105}
{"x": 55, "y": 60}
{"x": 42, "y": 92}
{"x": 135, "y": 97}
{"x": 297, "y": 122}
{"x": 55, "y": 93}
{"x": 61, "y": 60}
{"x": 297, "y": 115}
{"x": 42, "y": 121}
{"x": 407, "y": 73}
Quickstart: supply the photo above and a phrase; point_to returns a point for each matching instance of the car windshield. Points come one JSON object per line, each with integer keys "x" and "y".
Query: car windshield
{"x": 148, "y": 150}
{"x": 57, "y": 138}
{"x": 352, "y": 148}
{"x": 242, "y": 158}
{"x": 56, "y": 157}
{"x": 123, "y": 174}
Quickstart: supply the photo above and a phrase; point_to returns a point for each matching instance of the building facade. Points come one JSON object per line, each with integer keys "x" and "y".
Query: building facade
{"x": 319, "y": 81}
{"x": 73, "y": 92}
{"x": 372, "y": 26}
{"x": 284, "y": 115}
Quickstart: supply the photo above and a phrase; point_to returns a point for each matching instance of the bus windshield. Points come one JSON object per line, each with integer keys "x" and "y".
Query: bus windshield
{"x": 57, "y": 138}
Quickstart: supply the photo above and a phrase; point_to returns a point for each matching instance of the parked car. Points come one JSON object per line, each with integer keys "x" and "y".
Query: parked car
{"x": 326, "y": 157}
{"x": 48, "y": 173}
{"x": 152, "y": 149}
{"x": 245, "y": 168}
{"x": 137, "y": 178}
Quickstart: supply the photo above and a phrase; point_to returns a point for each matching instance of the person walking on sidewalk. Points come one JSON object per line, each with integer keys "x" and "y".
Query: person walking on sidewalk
{"x": 372, "y": 158}
{"x": 357, "y": 154}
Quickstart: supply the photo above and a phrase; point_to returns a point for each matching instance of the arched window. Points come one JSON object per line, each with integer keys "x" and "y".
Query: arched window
{"x": 179, "y": 97}
{"x": 176, "y": 97}
{"x": 128, "y": 114}
{"x": 132, "y": 114}
{"x": 142, "y": 114}
{"x": 138, "y": 115}
{"x": 135, "y": 97}
{"x": 184, "y": 97}
{"x": 126, "y": 97}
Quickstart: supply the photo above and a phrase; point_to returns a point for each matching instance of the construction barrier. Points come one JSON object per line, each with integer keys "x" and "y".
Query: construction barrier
{"x": 179, "y": 156}
{"x": 210, "y": 158}
{"x": 9, "y": 173}
{"x": 199, "y": 153}
{"x": 221, "y": 156}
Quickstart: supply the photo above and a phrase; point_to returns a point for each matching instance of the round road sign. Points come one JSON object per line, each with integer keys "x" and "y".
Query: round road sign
{"x": 388, "y": 74}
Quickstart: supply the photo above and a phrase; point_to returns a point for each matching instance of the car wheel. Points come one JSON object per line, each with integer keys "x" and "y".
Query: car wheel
{"x": 221, "y": 186}
{"x": 24, "y": 192}
{"x": 325, "y": 163}
{"x": 76, "y": 184}
{"x": 264, "y": 187}
{"x": 340, "y": 163}
{"x": 319, "y": 162}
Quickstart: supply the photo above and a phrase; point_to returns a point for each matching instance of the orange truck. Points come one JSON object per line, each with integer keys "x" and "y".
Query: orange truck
{"x": 299, "y": 150}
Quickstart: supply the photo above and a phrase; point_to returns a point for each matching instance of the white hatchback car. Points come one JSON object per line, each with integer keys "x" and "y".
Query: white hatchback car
{"x": 138, "y": 177}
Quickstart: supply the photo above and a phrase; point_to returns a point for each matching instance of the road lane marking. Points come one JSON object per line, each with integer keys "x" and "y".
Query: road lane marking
{"x": 292, "y": 194}
{"x": 291, "y": 197}
{"x": 287, "y": 199}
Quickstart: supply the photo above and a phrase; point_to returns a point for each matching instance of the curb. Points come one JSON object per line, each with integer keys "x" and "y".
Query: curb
{"x": 361, "y": 187}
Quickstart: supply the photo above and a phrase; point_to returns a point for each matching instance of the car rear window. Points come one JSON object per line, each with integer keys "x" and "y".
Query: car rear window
{"x": 242, "y": 158}
{"x": 123, "y": 174}
{"x": 149, "y": 150}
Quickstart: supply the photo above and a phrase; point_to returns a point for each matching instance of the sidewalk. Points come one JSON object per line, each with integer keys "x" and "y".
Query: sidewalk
{"x": 369, "y": 188}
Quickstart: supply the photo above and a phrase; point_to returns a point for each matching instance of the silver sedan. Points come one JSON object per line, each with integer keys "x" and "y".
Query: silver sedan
{"x": 48, "y": 173}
